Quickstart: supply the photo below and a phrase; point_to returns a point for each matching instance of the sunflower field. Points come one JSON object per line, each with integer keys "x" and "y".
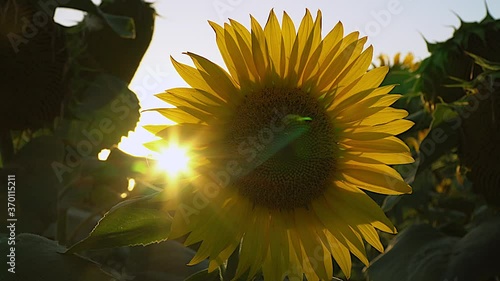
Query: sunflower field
{"x": 310, "y": 157}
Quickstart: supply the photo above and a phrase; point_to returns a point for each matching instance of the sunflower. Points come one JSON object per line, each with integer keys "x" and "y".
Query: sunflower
{"x": 406, "y": 65}
{"x": 283, "y": 144}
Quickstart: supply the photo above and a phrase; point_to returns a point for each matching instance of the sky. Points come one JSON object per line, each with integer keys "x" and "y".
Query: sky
{"x": 392, "y": 26}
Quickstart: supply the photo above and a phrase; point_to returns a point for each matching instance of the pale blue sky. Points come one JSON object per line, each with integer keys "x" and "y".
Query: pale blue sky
{"x": 392, "y": 26}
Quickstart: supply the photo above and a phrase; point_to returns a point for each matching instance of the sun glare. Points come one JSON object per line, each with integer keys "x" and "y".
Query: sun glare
{"x": 103, "y": 155}
{"x": 174, "y": 160}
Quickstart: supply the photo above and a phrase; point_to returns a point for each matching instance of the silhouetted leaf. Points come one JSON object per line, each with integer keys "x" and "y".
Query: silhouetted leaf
{"x": 123, "y": 26}
{"x": 37, "y": 183}
{"x": 166, "y": 260}
{"x": 100, "y": 117}
{"x": 475, "y": 256}
{"x": 422, "y": 253}
{"x": 419, "y": 253}
{"x": 41, "y": 259}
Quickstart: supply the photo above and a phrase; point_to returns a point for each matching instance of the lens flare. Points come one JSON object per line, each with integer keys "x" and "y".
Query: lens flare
{"x": 174, "y": 160}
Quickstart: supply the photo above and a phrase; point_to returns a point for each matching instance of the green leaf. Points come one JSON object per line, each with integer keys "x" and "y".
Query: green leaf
{"x": 422, "y": 253}
{"x": 389, "y": 202}
{"x": 37, "y": 183}
{"x": 475, "y": 256}
{"x": 484, "y": 63}
{"x": 123, "y": 26}
{"x": 442, "y": 137}
{"x": 204, "y": 275}
{"x": 139, "y": 221}
{"x": 443, "y": 114}
{"x": 419, "y": 253}
{"x": 41, "y": 259}
{"x": 105, "y": 112}
{"x": 167, "y": 260}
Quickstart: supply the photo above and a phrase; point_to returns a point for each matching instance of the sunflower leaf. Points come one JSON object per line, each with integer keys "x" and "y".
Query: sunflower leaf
{"x": 475, "y": 256}
{"x": 422, "y": 253}
{"x": 104, "y": 112}
{"x": 139, "y": 221}
{"x": 121, "y": 25}
{"x": 418, "y": 253}
{"x": 38, "y": 258}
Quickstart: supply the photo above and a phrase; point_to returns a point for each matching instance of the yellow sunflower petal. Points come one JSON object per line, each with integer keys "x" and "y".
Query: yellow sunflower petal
{"x": 224, "y": 85}
{"x": 310, "y": 241}
{"x": 383, "y": 116}
{"x": 338, "y": 225}
{"x": 388, "y": 144}
{"x": 376, "y": 182}
{"x": 244, "y": 40}
{"x": 303, "y": 33}
{"x": 386, "y": 158}
{"x": 356, "y": 68}
{"x": 288, "y": 38}
{"x": 311, "y": 44}
{"x": 340, "y": 252}
{"x": 272, "y": 32}
{"x": 255, "y": 244}
{"x": 366, "y": 206}
{"x": 375, "y": 168}
{"x": 242, "y": 70}
{"x": 259, "y": 49}
{"x": 392, "y": 128}
{"x": 154, "y": 129}
{"x": 329, "y": 42}
{"x": 181, "y": 101}
{"x": 178, "y": 115}
{"x": 221, "y": 44}
{"x": 222, "y": 256}
{"x": 371, "y": 79}
{"x": 326, "y": 81}
{"x": 367, "y": 100}
{"x": 278, "y": 260}
{"x": 196, "y": 79}
{"x": 371, "y": 236}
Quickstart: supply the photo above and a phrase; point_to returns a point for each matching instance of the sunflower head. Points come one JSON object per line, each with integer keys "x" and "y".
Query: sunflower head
{"x": 408, "y": 63}
{"x": 450, "y": 62}
{"x": 286, "y": 137}
{"x": 479, "y": 150}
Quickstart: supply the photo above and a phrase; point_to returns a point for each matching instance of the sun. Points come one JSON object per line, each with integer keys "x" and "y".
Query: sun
{"x": 173, "y": 159}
